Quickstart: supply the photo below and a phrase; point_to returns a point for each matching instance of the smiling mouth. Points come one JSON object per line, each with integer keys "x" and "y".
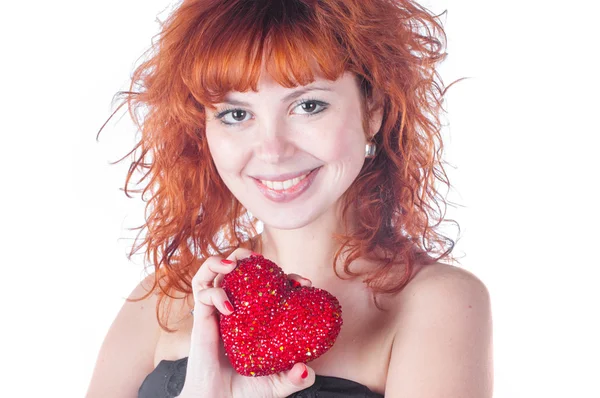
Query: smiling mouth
{"x": 284, "y": 191}
{"x": 284, "y": 185}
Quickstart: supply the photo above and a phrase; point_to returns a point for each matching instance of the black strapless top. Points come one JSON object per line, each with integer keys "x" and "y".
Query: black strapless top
{"x": 166, "y": 381}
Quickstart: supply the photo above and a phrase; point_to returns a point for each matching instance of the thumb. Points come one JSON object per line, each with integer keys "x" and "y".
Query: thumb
{"x": 297, "y": 378}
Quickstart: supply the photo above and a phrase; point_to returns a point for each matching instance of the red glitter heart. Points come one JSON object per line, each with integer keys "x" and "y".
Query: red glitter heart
{"x": 274, "y": 324}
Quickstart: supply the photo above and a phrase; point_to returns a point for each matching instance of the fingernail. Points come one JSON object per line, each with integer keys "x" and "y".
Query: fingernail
{"x": 228, "y": 306}
{"x": 295, "y": 283}
{"x": 305, "y": 374}
{"x": 255, "y": 254}
{"x": 226, "y": 262}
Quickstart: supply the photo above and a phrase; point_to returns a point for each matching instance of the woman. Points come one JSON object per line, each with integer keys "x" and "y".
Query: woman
{"x": 320, "y": 121}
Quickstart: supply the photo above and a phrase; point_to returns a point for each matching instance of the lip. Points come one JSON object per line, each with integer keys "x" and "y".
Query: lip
{"x": 282, "y": 177}
{"x": 291, "y": 193}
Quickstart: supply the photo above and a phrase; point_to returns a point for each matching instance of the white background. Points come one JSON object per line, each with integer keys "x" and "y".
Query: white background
{"x": 522, "y": 141}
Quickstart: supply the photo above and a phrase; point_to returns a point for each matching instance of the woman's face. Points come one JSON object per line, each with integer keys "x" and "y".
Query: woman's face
{"x": 279, "y": 133}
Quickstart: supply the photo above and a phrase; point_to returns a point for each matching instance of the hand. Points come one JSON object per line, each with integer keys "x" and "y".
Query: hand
{"x": 209, "y": 373}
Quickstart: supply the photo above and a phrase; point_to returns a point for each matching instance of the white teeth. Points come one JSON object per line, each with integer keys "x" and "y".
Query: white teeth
{"x": 297, "y": 180}
{"x": 283, "y": 185}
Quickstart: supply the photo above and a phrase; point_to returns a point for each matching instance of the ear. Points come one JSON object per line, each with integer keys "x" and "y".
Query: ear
{"x": 375, "y": 105}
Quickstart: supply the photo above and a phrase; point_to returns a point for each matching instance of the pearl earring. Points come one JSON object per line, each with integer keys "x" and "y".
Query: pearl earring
{"x": 370, "y": 150}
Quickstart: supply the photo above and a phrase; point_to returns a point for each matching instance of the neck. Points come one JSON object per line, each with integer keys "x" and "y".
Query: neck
{"x": 308, "y": 251}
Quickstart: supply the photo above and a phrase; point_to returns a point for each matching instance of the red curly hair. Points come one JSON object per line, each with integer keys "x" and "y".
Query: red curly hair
{"x": 208, "y": 48}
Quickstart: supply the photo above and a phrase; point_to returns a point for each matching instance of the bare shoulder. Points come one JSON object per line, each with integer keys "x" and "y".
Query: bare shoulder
{"x": 127, "y": 352}
{"x": 441, "y": 282}
{"x": 443, "y": 333}
{"x": 444, "y": 293}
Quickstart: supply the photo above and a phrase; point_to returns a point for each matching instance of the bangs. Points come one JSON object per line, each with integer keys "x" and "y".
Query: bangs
{"x": 239, "y": 40}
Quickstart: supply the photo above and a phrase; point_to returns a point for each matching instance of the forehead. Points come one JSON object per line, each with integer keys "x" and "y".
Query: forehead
{"x": 268, "y": 87}
{"x": 252, "y": 57}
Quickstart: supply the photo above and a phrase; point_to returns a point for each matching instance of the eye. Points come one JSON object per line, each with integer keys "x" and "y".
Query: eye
{"x": 311, "y": 107}
{"x": 232, "y": 116}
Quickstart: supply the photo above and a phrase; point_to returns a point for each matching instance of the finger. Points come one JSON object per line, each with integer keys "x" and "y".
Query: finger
{"x": 209, "y": 270}
{"x": 298, "y": 279}
{"x": 207, "y": 301}
{"x": 240, "y": 254}
{"x": 205, "y": 338}
{"x": 235, "y": 256}
{"x": 297, "y": 378}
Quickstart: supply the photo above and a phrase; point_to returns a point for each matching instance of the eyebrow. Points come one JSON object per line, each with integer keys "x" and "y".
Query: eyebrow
{"x": 287, "y": 98}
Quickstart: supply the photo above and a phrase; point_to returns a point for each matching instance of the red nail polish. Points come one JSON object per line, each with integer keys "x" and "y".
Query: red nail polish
{"x": 226, "y": 262}
{"x": 305, "y": 374}
{"x": 228, "y": 306}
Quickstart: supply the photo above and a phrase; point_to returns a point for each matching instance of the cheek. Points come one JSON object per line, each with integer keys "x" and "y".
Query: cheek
{"x": 226, "y": 153}
{"x": 343, "y": 142}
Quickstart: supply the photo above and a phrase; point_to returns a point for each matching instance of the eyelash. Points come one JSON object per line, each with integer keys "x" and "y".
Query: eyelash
{"x": 221, "y": 114}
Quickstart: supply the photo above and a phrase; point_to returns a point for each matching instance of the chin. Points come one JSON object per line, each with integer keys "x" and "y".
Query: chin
{"x": 284, "y": 223}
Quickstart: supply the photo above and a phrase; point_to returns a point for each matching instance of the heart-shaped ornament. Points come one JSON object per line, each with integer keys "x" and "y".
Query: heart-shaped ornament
{"x": 274, "y": 323}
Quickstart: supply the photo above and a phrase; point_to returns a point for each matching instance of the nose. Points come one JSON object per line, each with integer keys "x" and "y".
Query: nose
{"x": 274, "y": 144}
